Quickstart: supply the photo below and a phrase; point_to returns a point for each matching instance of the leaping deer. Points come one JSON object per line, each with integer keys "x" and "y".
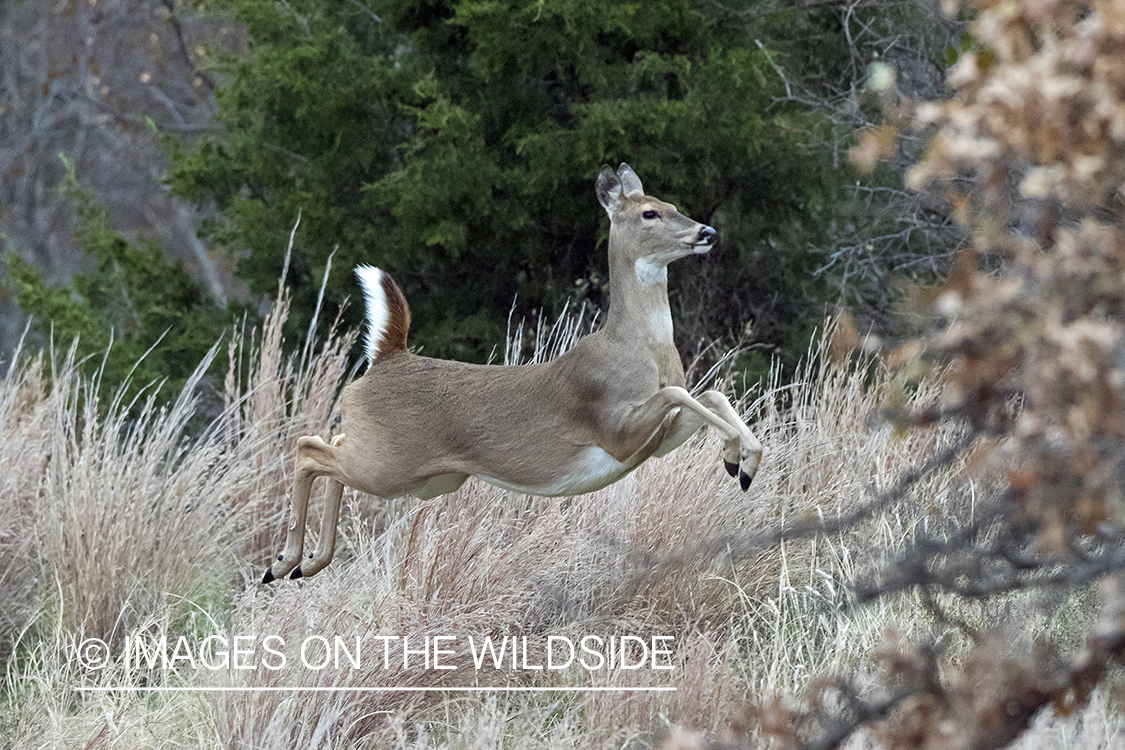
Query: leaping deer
{"x": 421, "y": 426}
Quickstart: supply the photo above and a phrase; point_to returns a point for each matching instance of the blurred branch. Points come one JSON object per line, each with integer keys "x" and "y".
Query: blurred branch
{"x": 178, "y": 30}
{"x": 749, "y": 545}
{"x": 366, "y": 10}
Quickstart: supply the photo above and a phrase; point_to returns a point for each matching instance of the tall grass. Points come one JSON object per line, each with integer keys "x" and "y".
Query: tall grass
{"x": 128, "y": 520}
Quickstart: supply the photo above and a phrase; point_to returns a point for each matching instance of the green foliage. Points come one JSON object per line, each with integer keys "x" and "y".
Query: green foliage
{"x": 132, "y": 298}
{"x": 309, "y": 116}
{"x": 455, "y": 144}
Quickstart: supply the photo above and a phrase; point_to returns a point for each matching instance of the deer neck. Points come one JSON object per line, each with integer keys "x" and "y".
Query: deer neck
{"x": 638, "y": 306}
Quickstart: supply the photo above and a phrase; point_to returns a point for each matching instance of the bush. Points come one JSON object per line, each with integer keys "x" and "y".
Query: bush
{"x": 146, "y": 317}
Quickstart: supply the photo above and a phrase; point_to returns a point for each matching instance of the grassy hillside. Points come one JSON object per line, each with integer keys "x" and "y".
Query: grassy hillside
{"x": 116, "y": 528}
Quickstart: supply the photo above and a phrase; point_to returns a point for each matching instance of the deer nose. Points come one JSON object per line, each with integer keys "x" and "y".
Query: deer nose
{"x": 706, "y": 235}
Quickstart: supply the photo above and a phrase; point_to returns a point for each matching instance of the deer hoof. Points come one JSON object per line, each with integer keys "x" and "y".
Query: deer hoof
{"x": 296, "y": 574}
{"x": 732, "y": 469}
{"x": 744, "y": 479}
{"x": 268, "y": 577}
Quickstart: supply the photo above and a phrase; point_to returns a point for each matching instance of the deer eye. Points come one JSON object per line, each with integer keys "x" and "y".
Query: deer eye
{"x": 651, "y": 215}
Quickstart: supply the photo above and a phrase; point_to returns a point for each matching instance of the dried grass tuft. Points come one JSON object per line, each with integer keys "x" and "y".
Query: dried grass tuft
{"x": 113, "y": 524}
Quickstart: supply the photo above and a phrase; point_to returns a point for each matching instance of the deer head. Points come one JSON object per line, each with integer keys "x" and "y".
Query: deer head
{"x": 646, "y": 233}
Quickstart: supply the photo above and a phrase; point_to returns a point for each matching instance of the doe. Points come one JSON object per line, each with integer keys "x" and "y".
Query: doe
{"x": 421, "y": 426}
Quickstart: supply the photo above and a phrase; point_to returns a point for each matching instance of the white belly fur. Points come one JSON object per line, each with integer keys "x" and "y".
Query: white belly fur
{"x": 594, "y": 469}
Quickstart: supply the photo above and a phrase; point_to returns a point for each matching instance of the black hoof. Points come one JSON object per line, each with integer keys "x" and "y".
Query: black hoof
{"x": 295, "y": 574}
{"x": 268, "y": 577}
{"x": 732, "y": 469}
{"x": 744, "y": 479}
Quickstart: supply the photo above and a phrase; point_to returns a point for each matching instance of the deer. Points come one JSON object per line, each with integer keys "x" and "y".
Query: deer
{"x": 419, "y": 426}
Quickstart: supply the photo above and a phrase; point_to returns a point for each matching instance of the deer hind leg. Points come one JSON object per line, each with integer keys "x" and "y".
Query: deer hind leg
{"x": 314, "y": 458}
{"x": 326, "y": 546}
{"x": 750, "y": 448}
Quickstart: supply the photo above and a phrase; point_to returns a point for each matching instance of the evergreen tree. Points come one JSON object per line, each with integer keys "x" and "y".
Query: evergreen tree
{"x": 137, "y": 315}
{"x": 455, "y": 144}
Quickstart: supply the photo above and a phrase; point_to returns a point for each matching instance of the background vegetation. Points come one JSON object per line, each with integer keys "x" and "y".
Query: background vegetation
{"x": 933, "y": 553}
{"x": 455, "y": 144}
{"x": 147, "y": 318}
{"x": 207, "y": 513}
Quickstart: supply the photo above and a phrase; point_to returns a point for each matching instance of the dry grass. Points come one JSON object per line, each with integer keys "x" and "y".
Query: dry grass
{"x": 113, "y": 525}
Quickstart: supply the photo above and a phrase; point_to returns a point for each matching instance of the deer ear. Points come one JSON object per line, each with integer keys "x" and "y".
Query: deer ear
{"x": 608, "y": 188}
{"x": 630, "y": 183}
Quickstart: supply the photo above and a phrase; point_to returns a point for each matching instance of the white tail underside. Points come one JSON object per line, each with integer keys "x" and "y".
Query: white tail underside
{"x": 375, "y": 304}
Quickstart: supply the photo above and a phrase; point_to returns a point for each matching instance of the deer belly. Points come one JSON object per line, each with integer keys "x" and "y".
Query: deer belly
{"x": 593, "y": 469}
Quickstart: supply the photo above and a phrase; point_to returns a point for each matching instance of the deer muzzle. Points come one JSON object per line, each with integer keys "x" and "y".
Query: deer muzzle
{"x": 704, "y": 239}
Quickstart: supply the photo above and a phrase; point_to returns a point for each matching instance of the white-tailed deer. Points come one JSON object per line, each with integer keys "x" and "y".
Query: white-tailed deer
{"x": 420, "y": 426}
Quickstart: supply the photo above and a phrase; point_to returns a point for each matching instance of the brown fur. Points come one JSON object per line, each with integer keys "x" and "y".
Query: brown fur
{"x": 398, "y": 321}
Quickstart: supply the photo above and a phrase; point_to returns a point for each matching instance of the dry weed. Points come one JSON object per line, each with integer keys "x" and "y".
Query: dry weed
{"x": 137, "y": 526}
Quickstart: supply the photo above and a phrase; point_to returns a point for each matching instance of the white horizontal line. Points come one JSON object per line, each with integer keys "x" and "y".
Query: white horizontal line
{"x": 369, "y": 689}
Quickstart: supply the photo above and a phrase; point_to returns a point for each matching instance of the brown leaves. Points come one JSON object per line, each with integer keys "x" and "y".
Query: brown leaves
{"x": 1039, "y": 122}
{"x": 1031, "y": 155}
{"x": 845, "y": 338}
{"x": 1046, "y": 86}
{"x": 987, "y": 703}
{"x": 875, "y": 144}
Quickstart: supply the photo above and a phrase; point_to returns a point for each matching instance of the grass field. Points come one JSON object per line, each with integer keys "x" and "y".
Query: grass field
{"x": 130, "y": 523}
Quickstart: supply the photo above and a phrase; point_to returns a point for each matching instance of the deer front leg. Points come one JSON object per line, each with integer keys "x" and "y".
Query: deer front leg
{"x": 751, "y": 447}
{"x": 313, "y": 459}
{"x": 643, "y": 422}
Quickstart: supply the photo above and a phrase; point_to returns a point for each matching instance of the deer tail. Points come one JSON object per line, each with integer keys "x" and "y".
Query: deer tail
{"x": 388, "y": 315}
